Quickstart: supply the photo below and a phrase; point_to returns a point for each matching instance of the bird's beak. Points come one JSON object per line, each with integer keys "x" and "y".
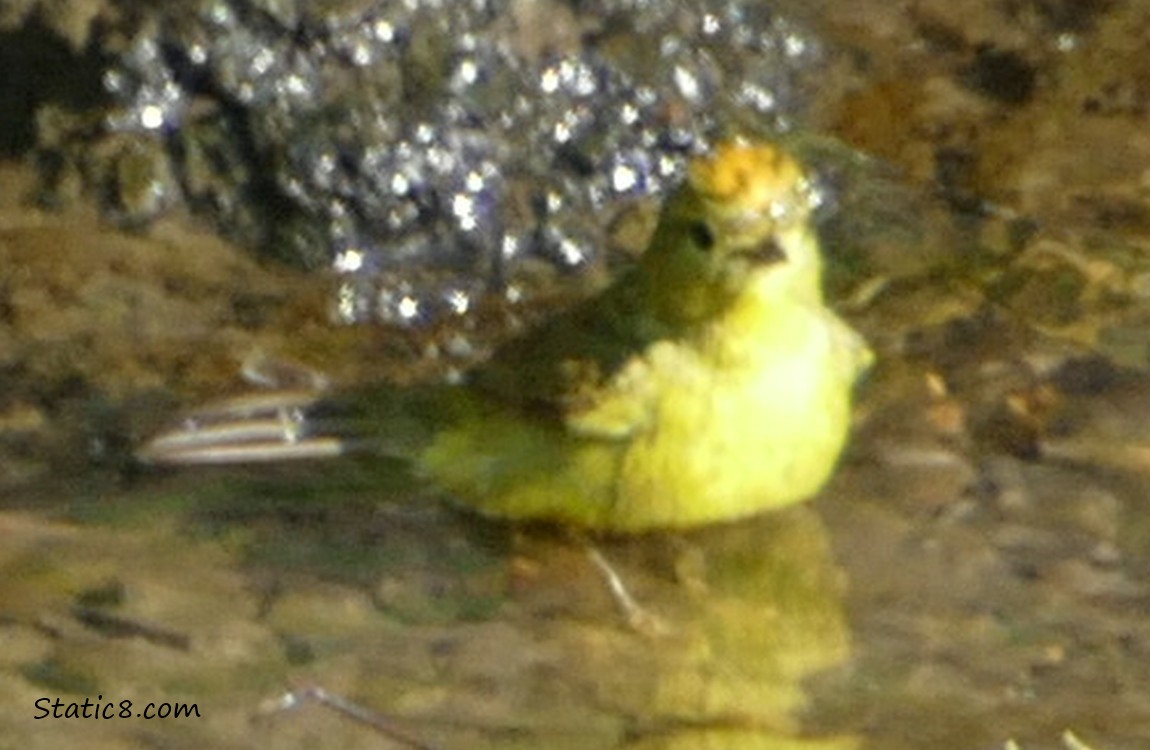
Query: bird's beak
{"x": 766, "y": 252}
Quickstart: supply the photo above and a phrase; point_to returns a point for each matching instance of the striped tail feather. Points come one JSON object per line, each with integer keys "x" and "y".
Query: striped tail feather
{"x": 263, "y": 427}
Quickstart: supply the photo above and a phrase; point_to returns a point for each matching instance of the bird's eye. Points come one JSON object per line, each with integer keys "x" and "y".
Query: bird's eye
{"x": 701, "y": 234}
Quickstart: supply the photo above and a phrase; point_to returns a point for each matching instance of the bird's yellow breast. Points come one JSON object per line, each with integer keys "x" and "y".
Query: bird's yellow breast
{"x": 749, "y": 421}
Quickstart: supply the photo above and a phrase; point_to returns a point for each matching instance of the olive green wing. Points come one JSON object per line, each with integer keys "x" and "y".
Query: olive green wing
{"x": 582, "y": 368}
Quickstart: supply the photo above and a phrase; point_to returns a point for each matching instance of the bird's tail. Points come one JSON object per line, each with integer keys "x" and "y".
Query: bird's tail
{"x": 292, "y": 425}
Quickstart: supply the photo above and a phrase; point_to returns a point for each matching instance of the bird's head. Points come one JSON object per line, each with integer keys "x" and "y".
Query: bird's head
{"x": 742, "y": 215}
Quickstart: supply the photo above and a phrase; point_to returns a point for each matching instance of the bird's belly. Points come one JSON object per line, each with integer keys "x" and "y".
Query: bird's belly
{"x": 729, "y": 445}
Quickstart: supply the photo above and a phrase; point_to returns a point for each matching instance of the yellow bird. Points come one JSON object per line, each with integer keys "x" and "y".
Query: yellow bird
{"x": 708, "y": 383}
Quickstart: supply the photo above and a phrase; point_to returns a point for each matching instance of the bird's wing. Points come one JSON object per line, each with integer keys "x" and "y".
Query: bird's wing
{"x": 584, "y": 368}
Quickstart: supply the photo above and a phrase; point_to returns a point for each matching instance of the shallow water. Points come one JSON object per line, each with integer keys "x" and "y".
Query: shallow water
{"x": 917, "y": 603}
